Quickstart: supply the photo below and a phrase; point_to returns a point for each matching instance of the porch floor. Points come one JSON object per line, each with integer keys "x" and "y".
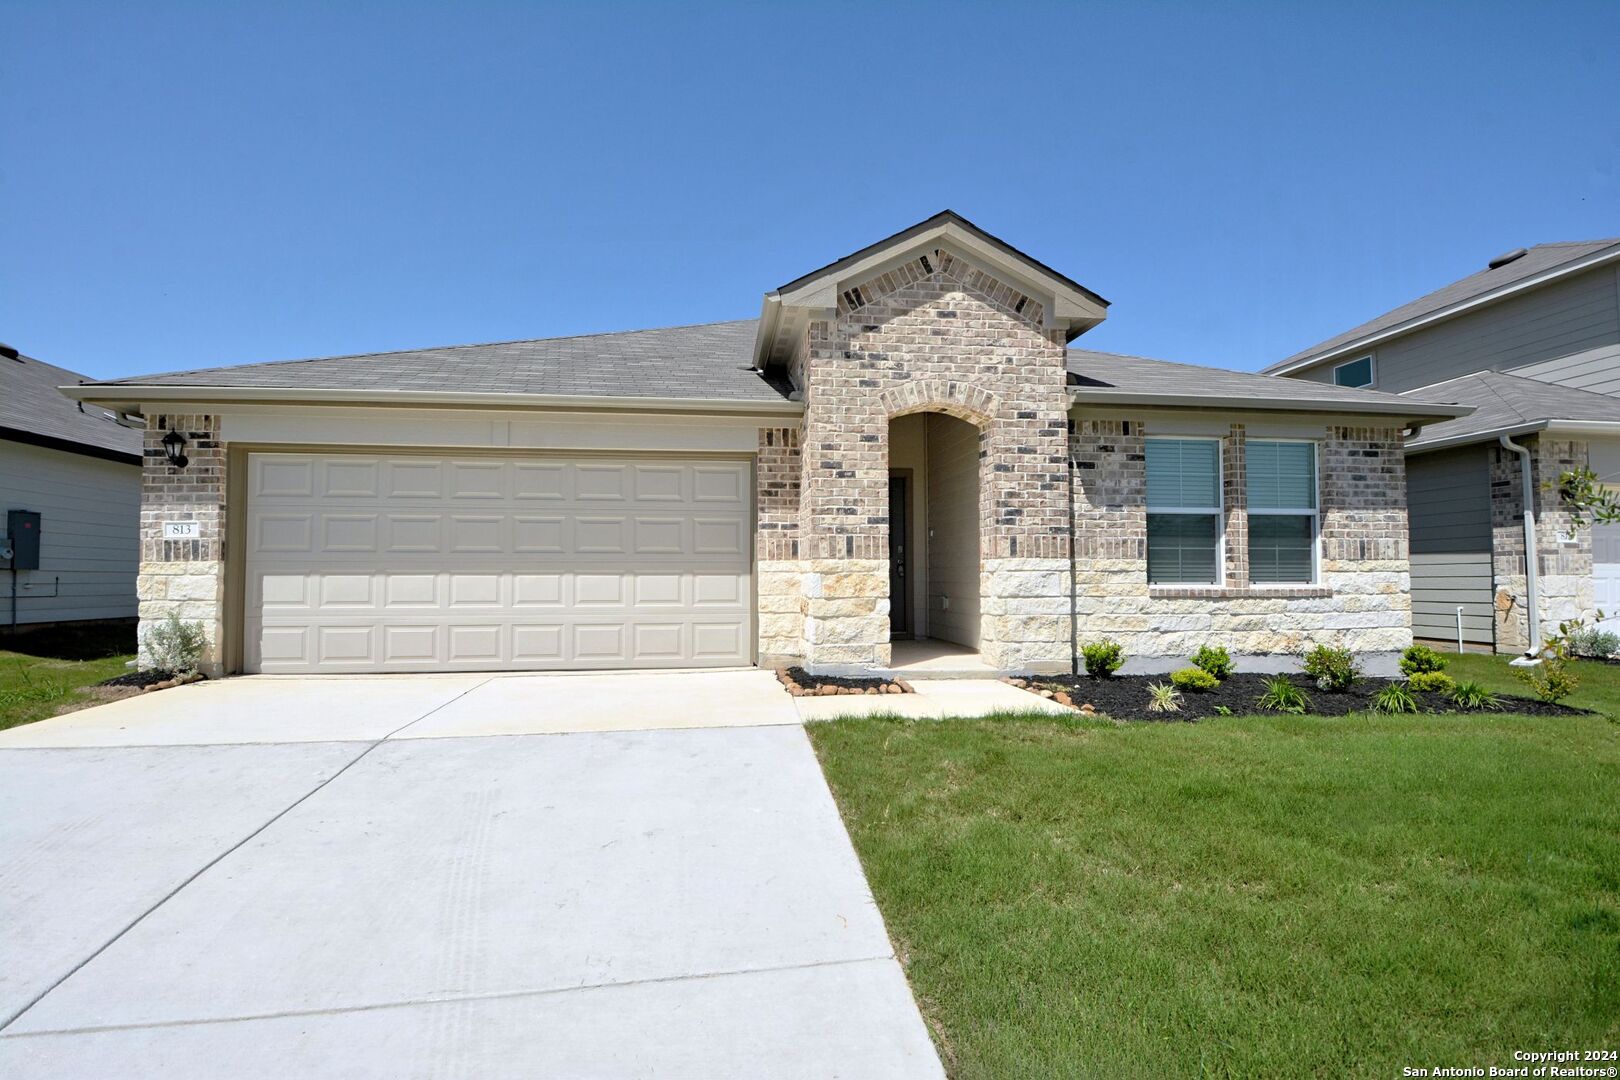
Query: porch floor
{"x": 931, "y": 658}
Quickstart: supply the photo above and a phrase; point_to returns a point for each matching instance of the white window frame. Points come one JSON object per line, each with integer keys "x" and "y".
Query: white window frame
{"x": 1315, "y": 515}
{"x": 1219, "y": 511}
{"x": 1372, "y": 371}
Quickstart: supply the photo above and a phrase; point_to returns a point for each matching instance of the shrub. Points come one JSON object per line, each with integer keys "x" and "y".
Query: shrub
{"x": 175, "y": 645}
{"x": 1213, "y": 659}
{"x": 1223, "y": 710}
{"x": 1103, "y": 658}
{"x": 1432, "y": 682}
{"x": 1191, "y": 678}
{"x": 1333, "y": 669}
{"x": 1422, "y": 660}
{"x": 1592, "y": 642}
{"x": 1394, "y": 698}
{"x": 1281, "y": 695}
{"x": 1552, "y": 679}
{"x": 1473, "y": 696}
{"x": 1162, "y": 697}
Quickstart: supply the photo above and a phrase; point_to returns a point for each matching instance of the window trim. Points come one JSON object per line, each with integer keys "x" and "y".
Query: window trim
{"x": 1372, "y": 371}
{"x": 1218, "y": 511}
{"x": 1315, "y": 514}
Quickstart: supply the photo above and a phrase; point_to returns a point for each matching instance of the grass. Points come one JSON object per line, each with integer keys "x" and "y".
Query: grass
{"x": 1249, "y": 896}
{"x": 42, "y": 671}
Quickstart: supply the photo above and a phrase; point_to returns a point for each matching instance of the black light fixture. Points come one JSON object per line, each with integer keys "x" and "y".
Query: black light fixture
{"x": 174, "y": 444}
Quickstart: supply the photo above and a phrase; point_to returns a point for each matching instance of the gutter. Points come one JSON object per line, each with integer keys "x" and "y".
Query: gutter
{"x": 1413, "y": 410}
{"x": 136, "y": 394}
{"x": 1551, "y": 427}
{"x": 1532, "y": 656}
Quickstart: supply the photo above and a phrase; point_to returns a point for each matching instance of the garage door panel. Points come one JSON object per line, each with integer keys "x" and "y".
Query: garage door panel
{"x": 411, "y": 563}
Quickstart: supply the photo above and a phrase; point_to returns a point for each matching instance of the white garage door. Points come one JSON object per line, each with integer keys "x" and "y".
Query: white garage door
{"x": 464, "y": 563}
{"x": 1606, "y": 573}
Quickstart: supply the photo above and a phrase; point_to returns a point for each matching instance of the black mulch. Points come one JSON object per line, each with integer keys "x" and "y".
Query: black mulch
{"x": 1125, "y": 697}
{"x": 815, "y": 682}
{"x": 136, "y": 678}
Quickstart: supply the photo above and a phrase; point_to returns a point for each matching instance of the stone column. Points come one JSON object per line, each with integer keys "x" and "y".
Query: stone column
{"x": 185, "y": 577}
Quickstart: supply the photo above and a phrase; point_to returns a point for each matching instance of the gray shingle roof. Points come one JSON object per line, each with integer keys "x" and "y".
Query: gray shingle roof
{"x": 31, "y": 404}
{"x": 1536, "y": 260}
{"x": 1504, "y": 403}
{"x": 713, "y": 361}
{"x": 1111, "y": 377}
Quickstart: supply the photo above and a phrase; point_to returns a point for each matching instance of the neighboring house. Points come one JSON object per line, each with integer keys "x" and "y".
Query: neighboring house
{"x": 901, "y": 447}
{"x": 79, "y": 468}
{"x": 1533, "y": 343}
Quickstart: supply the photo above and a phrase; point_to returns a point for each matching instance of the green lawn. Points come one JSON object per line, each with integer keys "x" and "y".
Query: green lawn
{"x": 41, "y": 672}
{"x": 1272, "y": 896}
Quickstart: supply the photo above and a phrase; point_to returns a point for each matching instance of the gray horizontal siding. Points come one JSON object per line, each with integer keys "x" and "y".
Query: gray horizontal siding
{"x": 1596, "y": 370}
{"x": 1578, "y": 316}
{"x": 1449, "y": 509}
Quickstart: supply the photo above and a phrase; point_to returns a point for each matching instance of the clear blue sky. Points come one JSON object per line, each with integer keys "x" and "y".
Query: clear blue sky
{"x": 207, "y": 183}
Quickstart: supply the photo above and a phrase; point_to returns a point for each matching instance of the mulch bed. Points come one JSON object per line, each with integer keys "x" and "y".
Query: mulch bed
{"x": 800, "y": 683}
{"x": 1125, "y": 697}
{"x": 137, "y": 679}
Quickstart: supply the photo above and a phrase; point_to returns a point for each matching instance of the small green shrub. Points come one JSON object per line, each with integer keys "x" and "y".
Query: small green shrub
{"x": 1162, "y": 697}
{"x": 174, "y": 645}
{"x": 1394, "y": 698}
{"x": 1431, "y": 682}
{"x": 1551, "y": 680}
{"x": 1103, "y": 658}
{"x": 1420, "y": 659}
{"x": 1333, "y": 669}
{"x": 1281, "y": 695}
{"x": 1197, "y": 679}
{"x": 1474, "y": 697}
{"x": 1595, "y": 643}
{"x": 1223, "y": 710}
{"x": 1213, "y": 659}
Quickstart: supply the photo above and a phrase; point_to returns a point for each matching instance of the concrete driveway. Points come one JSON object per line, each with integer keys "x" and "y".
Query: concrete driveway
{"x": 439, "y": 876}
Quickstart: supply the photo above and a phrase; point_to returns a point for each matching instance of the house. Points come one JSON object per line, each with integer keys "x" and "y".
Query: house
{"x": 70, "y": 485}
{"x": 1532, "y": 341}
{"x": 901, "y": 448}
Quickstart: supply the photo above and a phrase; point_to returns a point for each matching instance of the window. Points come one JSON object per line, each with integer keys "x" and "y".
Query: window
{"x": 1282, "y": 512}
{"x": 1183, "y": 511}
{"x": 1354, "y": 372}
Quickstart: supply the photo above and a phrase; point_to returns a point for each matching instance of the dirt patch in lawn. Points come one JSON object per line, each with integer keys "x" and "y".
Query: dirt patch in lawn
{"x": 1125, "y": 697}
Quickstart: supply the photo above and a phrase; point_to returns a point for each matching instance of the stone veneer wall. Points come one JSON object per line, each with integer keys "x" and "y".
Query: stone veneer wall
{"x": 184, "y": 576}
{"x": 1564, "y": 563}
{"x": 778, "y": 584}
{"x": 1362, "y": 601}
{"x": 934, "y": 334}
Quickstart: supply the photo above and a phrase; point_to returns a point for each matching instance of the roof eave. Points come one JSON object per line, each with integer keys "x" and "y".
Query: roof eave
{"x": 1575, "y": 266}
{"x": 1550, "y": 427}
{"x": 131, "y": 397}
{"x": 1424, "y": 413}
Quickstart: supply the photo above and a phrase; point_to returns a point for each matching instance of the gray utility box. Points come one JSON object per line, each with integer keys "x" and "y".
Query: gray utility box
{"x": 22, "y": 536}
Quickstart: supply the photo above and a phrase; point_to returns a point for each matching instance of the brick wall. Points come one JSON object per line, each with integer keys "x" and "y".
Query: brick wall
{"x": 1361, "y": 601}
{"x": 1564, "y": 562}
{"x": 776, "y": 547}
{"x": 184, "y": 576}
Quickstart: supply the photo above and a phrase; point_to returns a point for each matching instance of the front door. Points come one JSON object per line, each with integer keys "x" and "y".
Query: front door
{"x": 899, "y": 546}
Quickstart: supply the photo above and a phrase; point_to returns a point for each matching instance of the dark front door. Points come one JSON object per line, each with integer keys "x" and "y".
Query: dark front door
{"x": 899, "y": 549}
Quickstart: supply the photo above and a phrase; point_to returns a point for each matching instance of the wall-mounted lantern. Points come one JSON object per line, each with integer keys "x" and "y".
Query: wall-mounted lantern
{"x": 174, "y": 445}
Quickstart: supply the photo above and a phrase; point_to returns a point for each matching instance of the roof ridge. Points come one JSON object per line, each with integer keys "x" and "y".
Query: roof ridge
{"x": 437, "y": 348}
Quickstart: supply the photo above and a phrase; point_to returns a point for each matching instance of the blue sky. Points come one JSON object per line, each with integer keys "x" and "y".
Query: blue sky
{"x": 196, "y": 184}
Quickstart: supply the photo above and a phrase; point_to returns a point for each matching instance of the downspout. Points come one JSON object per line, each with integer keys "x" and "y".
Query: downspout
{"x": 1531, "y": 559}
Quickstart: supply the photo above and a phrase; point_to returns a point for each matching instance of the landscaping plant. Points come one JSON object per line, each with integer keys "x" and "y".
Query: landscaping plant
{"x": 1333, "y": 669}
{"x": 1395, "y": 698}
{"x": 1422, "y": 660}
{"x": 1591, "y": 642}
{"x": 1162, "y": 697}
{"x": 1213, "y": 659}
{"x": 1553, "y": 680}
{"x": 1193, "y": 678}
{"x": 1281, "y": 695}
{"x": 1103, "y": 658}
{"x": 1473, "y": 696}
{"x": 175, "y": 645}
{"x": 1434, "y": 682}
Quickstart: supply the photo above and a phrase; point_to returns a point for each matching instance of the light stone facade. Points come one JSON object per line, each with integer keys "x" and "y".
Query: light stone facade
{"x": 1564, "y": 550}
{"x": 185, "y": 577}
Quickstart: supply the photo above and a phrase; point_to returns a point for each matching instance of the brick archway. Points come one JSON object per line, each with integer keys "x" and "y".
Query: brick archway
{"x": 963, "y": 400}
